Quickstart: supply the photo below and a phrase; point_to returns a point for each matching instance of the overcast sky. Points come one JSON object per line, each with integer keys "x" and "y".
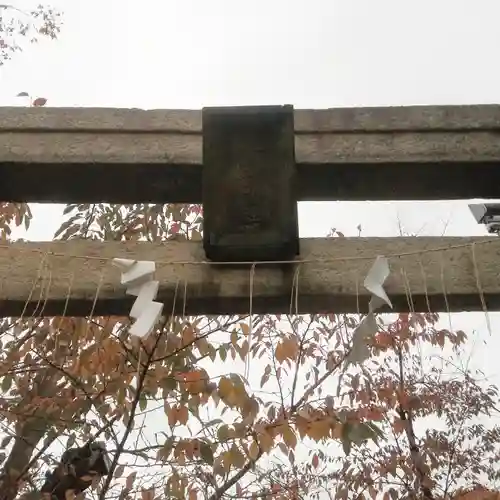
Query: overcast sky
{"x": 315, "y": 53}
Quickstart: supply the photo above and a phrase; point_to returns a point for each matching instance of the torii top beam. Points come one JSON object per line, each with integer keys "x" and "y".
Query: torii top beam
{"x": 62, "y": 155}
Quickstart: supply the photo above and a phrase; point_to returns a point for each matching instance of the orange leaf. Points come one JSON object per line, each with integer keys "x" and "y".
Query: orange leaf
{"x": 291, "y": 348}
{"x": 225, "y": 387}
{"x": 172, "y": 415}
{"x": 289, "y": 437}
{"x": 195, "y": 381}
{"x": 182, "y": 415}
{"x": 383, "y": 339}
{"x": 320, "y": 429}
{"x": 279, "y": 353}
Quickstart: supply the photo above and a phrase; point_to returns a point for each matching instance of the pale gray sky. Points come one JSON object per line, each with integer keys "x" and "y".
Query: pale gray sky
{"x": 319, "y": 53}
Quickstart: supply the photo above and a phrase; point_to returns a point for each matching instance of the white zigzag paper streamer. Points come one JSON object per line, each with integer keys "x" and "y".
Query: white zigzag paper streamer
{"x": 137, "y": 275}
{"x": 367, "y": 328}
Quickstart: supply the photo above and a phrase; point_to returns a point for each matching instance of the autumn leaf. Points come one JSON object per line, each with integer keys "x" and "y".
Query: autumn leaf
{"x": 346, "y": 446}
{"x": 374, "y": 414}
{"x": 195, "y": 381}
{"x": 289, "y": 436}
{"x": 287, "y": 349}
{"x": 266, "y": 441}
{"x": 171, "y": 413}
{"x": 398, "y": 425}
{"x": 225, "y": 387}
{"x": 39, "y": 101}
{"x": 265, "y": 376}
{"x": 147, "y": 494}
{"x": 239, "y": 490}
{"x": 119, "y": 471}
{"x": 236, "y": 457}
{"x": 223, "y": 433}
{"x": 6, "y": 383}
{"x": 276, "y": 488}
{"x": 254, "y": 450}
{"x": 318, "y": 429}
{"x": 129, "y": 483}
{"x": 234, "y": 338}
{"x": 188, "y": 335}
{"x": 207, "y": 453}
{"x": 182, "y": 415}
{"x": 346, "y": 438}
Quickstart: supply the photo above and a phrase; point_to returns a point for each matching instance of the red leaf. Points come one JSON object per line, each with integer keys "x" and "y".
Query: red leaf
{"x": 39, "y": 101}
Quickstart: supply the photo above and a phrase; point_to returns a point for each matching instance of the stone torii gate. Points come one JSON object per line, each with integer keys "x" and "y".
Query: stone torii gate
{"x": 249, "y": 166}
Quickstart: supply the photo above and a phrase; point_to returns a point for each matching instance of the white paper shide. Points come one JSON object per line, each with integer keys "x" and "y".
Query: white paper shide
{"x": 367, "y": 328}
{"x": 137, "y": 276}
{"x": 374, "y": 283}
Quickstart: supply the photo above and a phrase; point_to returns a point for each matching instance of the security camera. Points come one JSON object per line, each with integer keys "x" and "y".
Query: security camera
{"x": 487, "y": 214}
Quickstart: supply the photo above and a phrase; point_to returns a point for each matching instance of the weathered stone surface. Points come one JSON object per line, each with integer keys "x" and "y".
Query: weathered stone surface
{"x": 249, "y": 184}
{"x": 426, "y": 273}
{"x": 418, "y": 152}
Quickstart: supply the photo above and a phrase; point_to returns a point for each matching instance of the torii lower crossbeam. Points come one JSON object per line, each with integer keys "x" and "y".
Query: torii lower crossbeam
{"x": 437, "y": 274}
